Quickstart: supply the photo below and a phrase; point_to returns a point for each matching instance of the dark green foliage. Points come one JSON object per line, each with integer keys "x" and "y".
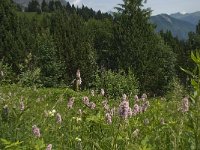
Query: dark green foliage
{"x": 102, "y": 33}
{"x": 139, "y": 48}
{"x": 74, "y": 45}
{"x": 55, "y": 5}
{"x": 63, "y": 39}
{"x": 33, "y": 6}
{"x": 47, "y": 61}
{"x": 44, "y": 6}
{"x": 11, "y": 40}
{"x": 117, "y": 83}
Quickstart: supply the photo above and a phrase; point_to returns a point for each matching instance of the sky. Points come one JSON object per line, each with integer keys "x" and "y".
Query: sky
{"x": 158, "y": 6}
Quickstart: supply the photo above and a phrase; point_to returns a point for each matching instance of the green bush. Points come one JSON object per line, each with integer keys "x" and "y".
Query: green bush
{"x": 117, "y": 83}
{"x": 6, "y": 74}
{"x": 30, "y": 78}
{"x": 176, "y": 90}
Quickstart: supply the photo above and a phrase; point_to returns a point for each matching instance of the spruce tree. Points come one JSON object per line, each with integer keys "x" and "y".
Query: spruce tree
{"x": 138, "y": 47}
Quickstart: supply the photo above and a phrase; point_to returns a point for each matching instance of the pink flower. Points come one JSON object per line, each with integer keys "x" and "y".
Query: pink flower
{"x": 185, "y": 104}
{"x": 92, "y": 105}
{"x": 58, "y": 118}
{"x": 108, "y": 118}
{"x": 145, "y": 106}
{"x": 36, "y": 131}
{"x": 86, "y": 101}
{"x": 136, "y": 109}
{"x": 130, "y": 113}
{"x": 70, "y": 103}
{"x": 22, "y": 107}
{"x": 124, "y": 109}
{"x": 144, "y": 95}
{"x": 136, "y": 98}
{"x": 105, "y": 105}
{"x": 49, "y": 147}
{"x": 112, "y": 111}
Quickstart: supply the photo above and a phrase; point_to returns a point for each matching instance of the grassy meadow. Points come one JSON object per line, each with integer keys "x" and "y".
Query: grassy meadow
{"x": 163, "y": 124}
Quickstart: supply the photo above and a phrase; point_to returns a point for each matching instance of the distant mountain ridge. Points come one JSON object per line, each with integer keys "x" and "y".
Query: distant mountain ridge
{"x": 179, "y": 24}
{"x": 189, "y": 17}
{"x": 24, "y": 3}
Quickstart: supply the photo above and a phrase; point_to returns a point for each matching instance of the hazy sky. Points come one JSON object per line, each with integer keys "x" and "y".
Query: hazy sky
{"x": 158, "y": 6}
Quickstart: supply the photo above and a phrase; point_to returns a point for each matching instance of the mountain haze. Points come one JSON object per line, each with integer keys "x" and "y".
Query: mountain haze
{"x": 189, "y": 17}
{"x": 179, "y": 28}
{"x": 24, "y": 3}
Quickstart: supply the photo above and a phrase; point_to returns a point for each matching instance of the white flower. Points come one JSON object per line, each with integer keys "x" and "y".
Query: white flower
{"x": 54, "y": 111}
{"x": 78, "y": 139}
{"x": 102, "y": 92}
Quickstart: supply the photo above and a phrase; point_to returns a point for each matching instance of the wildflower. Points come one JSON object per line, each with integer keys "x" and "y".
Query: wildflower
{"x": 36, "y": 131}
{"x": 70, "y": 103}
{"x": 22, "y": 106}
{"x": 112, "y": 111}
{"x": 86, "y": 100}
{"x": 124, "y": 109}
{"x": 58, "y": 118}
{"x": 78, "y": 139}
{"x": 78, "y": 74}
{"x": 49, "y": 147}
{"x": 144, "y": 96}
{"x": 185, "y": 104}
{"x": 80, "y": 112}
{"x": 92, "y": 92}
{"x": 136, "y": 109}
{"x": 78, "y": 119}
{"x": 145, "y": 106}
{"x": 108, "y": 118}
{"x": 105, "y": 102}
{"x": 51, "y": 113}
{"x": 135, "y": 133}
{"x": 124, "y": 97}
{"x": 162, "y": 121}
{"x": 140, "y": 109}
{"x": 102, "y": 92}
{"x": 105, "y": 105}
{"x": 130, "y": 113}
{"x": 92, "y": 105}
{"x": 136, "y": 98}
{"x": 79, "y": 81}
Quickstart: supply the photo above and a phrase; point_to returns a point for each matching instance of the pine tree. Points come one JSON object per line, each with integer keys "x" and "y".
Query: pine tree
{"x": 44, "y": 6}
{"x": 139, "y": 48}
{"x": 34, "y": 6}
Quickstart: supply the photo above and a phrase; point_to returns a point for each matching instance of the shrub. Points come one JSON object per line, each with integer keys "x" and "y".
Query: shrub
{"x": 176, "y": 90}
{"x": 6, "y": 74}
{"x": 117, "y": 83}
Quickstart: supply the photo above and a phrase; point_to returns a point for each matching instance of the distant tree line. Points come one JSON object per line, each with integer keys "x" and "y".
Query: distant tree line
{"x": 47, "y": 48}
